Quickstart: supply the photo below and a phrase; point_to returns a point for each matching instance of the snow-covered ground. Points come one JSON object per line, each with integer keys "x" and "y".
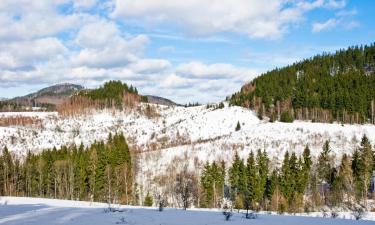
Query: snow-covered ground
{"x": 175, "y": 135}
{"x": 38, "y": 211}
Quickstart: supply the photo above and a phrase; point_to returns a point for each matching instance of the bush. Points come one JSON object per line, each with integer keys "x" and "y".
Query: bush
{"x": 286, "y": 117}
{"x": 148, "y": 200}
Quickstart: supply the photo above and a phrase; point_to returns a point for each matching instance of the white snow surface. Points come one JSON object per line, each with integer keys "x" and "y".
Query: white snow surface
{"x": 179, "y": 135}
{"x": 17, "y": 210}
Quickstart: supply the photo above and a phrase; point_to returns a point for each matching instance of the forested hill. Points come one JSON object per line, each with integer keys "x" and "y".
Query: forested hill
{"x": 325, "y": 88}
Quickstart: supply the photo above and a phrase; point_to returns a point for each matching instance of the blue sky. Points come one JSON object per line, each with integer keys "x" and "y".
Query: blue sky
{"x": 187, "y": 51}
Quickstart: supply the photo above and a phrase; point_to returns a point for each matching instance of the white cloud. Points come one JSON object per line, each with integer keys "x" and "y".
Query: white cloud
{"x": 84, "y": 4}
{"x": 343, "y": 18}
{"x": 149, "y": 66}
{"x": 345, "y": 13}
{"x": 317, "y": 27}
{"x": 28, "y": 53}
{"x": 199, "y": 70}
{"x": 97, "y": 34}
{"x": 257, "y": 19}
{"x": 41, "y": 44}
{"x": 25, "y": 20}
{"x": 335, "y": 4}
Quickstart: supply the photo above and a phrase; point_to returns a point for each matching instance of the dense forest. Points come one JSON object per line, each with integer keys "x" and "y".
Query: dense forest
{"x": 100, "y": 172}
{"x": 105, "y": 172}
{"x": 325, "y": 88}
{"x": 298, "y": 185}
{"x": 110, "y": 91}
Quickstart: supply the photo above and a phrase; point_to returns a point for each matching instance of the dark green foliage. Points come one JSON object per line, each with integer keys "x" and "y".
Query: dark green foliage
{"x": 148, "y": 200}
{"x": 238, "y": 126}
{"x": 212, "y": 181}
{"x": 286, "y": 117}
{"x": 191, "y": 104}
{"x": 299, "y": 184}
{"x": 324, "y": 164}
{"x": 362, "y": 166}
{"x": 101, "y": 172}
{"x": 341, "y": 83}
{"x": 111, "y": 91}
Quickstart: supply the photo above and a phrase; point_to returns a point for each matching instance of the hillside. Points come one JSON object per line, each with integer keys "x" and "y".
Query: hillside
{"x": 46, "y": 98}
{"x": 170, "y": 137}
{"x": 160, "y": 100}
{"x": 324, "y": 88}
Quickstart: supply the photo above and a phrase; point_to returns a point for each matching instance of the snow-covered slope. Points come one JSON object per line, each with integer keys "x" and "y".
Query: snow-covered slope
{"x": 172, "y": 135}
{"x": 47, "y": 211}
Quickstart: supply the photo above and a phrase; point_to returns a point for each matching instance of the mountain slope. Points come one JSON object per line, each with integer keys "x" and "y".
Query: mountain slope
{"x": 175, "y": 135}
{"x": 47, "y": 97}
{"x": 160, "y": 100}
{"x": 327, "y": 87}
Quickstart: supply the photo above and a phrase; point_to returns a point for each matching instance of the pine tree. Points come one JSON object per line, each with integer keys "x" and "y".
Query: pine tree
{"x": 306, "y": 166}
{"x": 234, "y": 176}
{"x": 285, "y": 177}
{"x": 324, "y": 168}
{"x": 346, "y": 177}
{"x": 252, "y": 186}
{"x": 262, "y": 167}
{"x": 362, "y": 165}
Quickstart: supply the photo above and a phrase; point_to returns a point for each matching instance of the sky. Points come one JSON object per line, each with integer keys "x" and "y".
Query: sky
{"x": 187, "y": 51}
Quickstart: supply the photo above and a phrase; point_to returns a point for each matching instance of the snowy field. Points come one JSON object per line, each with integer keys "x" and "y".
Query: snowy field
{"x": 19, "y": 211}
{"x": 176, "y": 135}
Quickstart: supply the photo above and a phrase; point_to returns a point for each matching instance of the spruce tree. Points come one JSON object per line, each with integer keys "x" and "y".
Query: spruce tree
{"x": 238, "y": 126}
{"x": 324, "y": 168}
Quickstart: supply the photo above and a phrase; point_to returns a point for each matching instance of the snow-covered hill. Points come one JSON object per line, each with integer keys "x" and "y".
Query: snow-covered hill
{"x": 172, "y": 135}
{"x": 15, "y": 210}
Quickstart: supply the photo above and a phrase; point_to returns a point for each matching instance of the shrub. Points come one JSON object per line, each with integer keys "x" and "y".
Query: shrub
{"x": 148, "y": 200}
{"x": 286, "y": 117}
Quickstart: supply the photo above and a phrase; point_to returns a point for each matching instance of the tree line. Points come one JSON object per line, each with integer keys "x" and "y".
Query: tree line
{"x": 299, "y": 184}
{"x": 104, "y": 171}
{"x": 325, "y": 88}
{"x": 100, "y": 172}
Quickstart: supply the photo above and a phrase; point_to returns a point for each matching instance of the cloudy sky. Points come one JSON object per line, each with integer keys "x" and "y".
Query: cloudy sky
{"x": 188, "y": 51}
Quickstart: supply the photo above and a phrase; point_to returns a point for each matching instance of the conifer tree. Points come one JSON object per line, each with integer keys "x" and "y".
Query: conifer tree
{"x": 362, "y": 167}
{"x": 324, "y": 167}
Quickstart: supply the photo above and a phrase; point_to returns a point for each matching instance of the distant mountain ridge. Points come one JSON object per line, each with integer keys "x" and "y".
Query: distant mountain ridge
{"x": 160, "y": 100}
{"x": 53, "y": 95}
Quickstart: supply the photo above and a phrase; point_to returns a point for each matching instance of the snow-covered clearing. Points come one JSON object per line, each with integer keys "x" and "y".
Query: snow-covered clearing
{"x": 175, "y": 135}
{"x": 48, "y": 211}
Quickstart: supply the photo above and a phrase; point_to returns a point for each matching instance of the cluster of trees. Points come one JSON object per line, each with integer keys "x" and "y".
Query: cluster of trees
{"x": 113, "y": 94}
{"x": 111, "y": 90}
{"x": 99, "y": 172}
{"x": 192, "y": 104}
{"x": 324, "y": 88}
{"x": 104, "y": 172}
{"x": 213, "y": 185}
{"x": 299, "y": 184}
